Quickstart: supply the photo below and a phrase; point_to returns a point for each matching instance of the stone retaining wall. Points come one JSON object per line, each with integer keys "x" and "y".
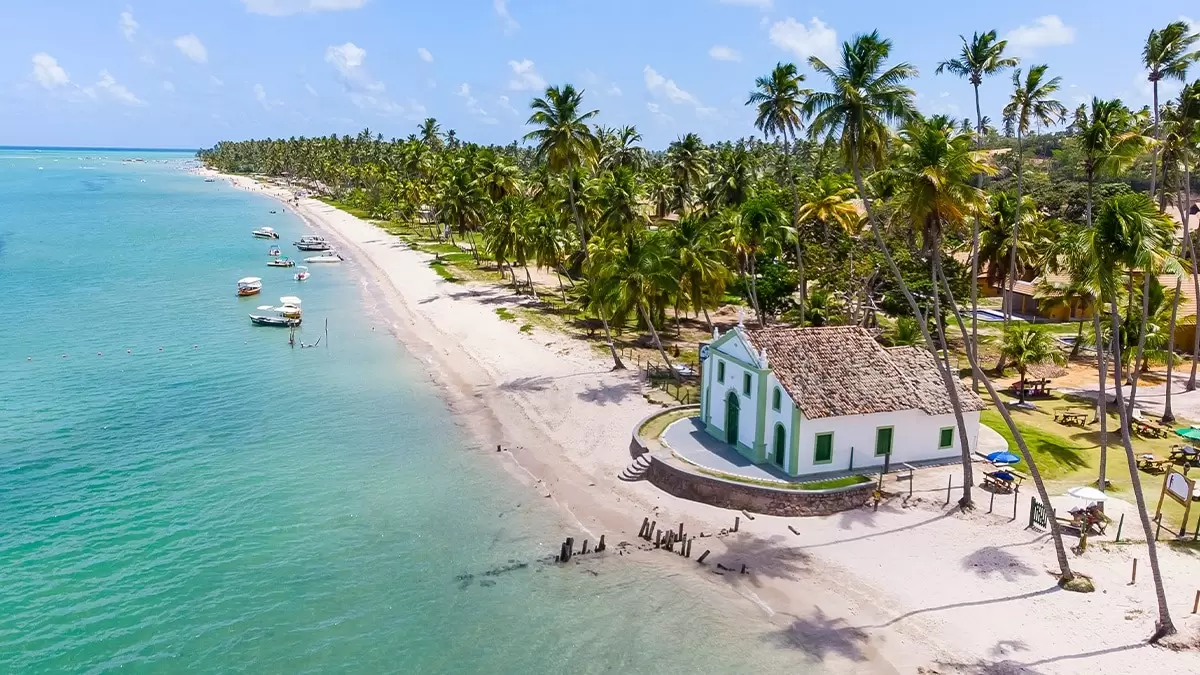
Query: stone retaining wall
{"x": 698, "y": 487}
{"x": 689, "y": 484}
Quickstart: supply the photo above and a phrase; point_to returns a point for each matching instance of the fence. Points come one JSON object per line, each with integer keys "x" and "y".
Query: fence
{"x": 1039, "y": 515}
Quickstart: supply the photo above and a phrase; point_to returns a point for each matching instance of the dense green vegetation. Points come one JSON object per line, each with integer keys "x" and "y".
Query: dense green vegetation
{"x": 853, "y": 208}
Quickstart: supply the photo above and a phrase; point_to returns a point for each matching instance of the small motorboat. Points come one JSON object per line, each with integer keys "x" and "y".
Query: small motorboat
{"x": 274, "y": 251}
{"x": 313, "y": 246}
{"x": 301, "y": 273}
{"x": 289, "y": 307}
{"x": 249, "y": 286}
{"x": 266, "y": 320}
{"x": 331, "y": 257}
{"x": 265, "y": 233}
{"x": 272, "y": 211}
{"x": 281, "y": 261}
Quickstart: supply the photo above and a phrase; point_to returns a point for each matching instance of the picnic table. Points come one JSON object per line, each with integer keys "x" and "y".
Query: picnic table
{"x": 1184, "y": 455}
{"x": 1071, "y": 417}
{"x": 1148, "y": 429}
{"x": 1033, "y": 388}
{"x": 1090, "y": 519}
{"x": 1151, "y": 464}
{"x": 1002, "y": 480}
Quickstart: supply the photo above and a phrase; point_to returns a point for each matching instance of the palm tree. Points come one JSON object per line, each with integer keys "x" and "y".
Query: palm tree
{"x": 996, "y": 242}
{"x": 865, "y": 98}
{"x": 1026, "y": 345}
{"x": 635, "y": 275}
{"x": 981, "y": 56}
{"x": 778, "y": 98}
{"x": 1167, "y": 55}
{"x": 431, "y": 134}
{"x": 701, "y": 261}
{"x": 686, "y": 164}
{"x": 1129, "y": 231}
{"x": 565, "y": 143}
{"x": 756, "y": 228}
{"x": 1030, "y": 105}
{"x": 1183, "y": 140}
{"x": 933, "y": 164}
{"x": 625, "y": 151}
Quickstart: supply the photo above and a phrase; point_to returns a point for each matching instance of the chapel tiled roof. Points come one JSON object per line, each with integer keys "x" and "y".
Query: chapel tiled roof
{"x": 842, "y": 370}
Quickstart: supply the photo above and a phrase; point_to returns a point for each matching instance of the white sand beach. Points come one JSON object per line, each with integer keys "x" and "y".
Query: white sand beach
{"x": 906, "y": 589}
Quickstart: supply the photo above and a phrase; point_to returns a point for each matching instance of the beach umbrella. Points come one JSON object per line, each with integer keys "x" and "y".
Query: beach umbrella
{"x": 1190, "y": 433}
{"x": 1087, "y": 493}
{"x": 1003, "y": 457}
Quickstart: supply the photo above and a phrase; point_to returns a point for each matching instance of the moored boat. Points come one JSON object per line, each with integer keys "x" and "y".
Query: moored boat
{"x": 249, "y": 286}
{"x": 289, "y": 307}
{"x": 331, "y": 257}
{"x": 313, "y": 245}
{"x": 266, "y": 320}
{"x": 266, "y": 233}
{"x": 274, "y": 251}
{"x": 301, "y": 273}
{"x": 281, "y": 261}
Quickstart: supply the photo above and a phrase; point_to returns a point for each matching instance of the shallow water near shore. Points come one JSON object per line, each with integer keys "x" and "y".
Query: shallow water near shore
{"x": 181, "y": 491}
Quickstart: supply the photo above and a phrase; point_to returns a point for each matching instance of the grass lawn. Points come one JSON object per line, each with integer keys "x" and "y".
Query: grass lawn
{"x": 1069, "y": 456}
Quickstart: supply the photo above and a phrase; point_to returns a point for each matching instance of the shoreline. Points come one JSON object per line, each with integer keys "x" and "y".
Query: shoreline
{"x": 566, "y": 420}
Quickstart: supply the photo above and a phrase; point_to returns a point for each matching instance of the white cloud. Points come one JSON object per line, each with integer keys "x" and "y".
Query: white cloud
{"x": 216, "y": 80}
{"x": 108, "y": 86}
{"x": 1045, "y": 31}
{"x": 260, "y": 95}
{"x": 507, "y": 105}
{"x": 723, "y": 53}
{"x": 416, "y": 110}
{"x": 425, "y": 55}
{"x": 168, "y": 85}
{"x": 815, "y": 39}
{"x": 309, "y": 89}
{"x": 665, "y": 88}
{"x": 128, "y": 25}
{"x": 287, "y": 7}
{"x": 464, "y": 91}
{"x": 48, "y": 73}
{"x": 525, "y": 77}
{"x": 380, "y": 104}
{"x": 656, "y": 110}
{"x": 614, "y": 90}
{"x": 191, "y": 46}
{"x": 348, "y": 59}
{"x": 510, "y": 24}
{"x": 761, "y": 4}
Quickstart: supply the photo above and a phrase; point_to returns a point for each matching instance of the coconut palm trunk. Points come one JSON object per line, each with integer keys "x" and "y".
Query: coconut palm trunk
{"x": 1102, "y": 397}
{"x": 1064, "y": 564}
{"x": 973, "y": 345}
{"x": 787, "y": 158}
{"x": 1168, "y": 415}
{"x": 1191, "y": 244}
{"x": 1164, "y": 626}
{"x": 657, "y": 342}
{"x": 1141, "y": 345}
{"x": 947, "y": 380}
{"x": 960, "y": 421}
{"x": 1012, "y": 260}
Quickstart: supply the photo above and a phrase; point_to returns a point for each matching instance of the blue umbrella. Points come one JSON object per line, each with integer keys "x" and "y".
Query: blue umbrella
{"x": 1003, "y": 457}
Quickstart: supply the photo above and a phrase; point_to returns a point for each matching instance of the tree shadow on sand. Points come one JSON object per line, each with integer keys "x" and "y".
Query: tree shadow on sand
{"x": 991, "y": 560}
{"x": 820, "y": 636}
{"x": 767, "y": 557}
{"x": 608, "y": 393}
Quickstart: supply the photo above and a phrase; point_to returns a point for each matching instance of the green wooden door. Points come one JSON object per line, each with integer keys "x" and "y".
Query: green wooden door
{"x": 883, "y": 441}
{"x": 732, "y": 409}
{"x": 780, "y": 445}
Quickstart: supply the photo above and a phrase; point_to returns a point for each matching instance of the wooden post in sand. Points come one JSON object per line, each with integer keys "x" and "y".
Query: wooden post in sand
{"x": 949, "y": 484}
{"x": 704, "y": 555}
{"x": 681, "y": 530}
{"x": 1196, "y": 603}
{"x": 600, "y": 547}
{"x": 1133, "y": 579}
{"x": 737, "y": 521}
{"x": 584, "y": 550}
{"x": 643, "y": 533}
{"x": 652, "y": 530}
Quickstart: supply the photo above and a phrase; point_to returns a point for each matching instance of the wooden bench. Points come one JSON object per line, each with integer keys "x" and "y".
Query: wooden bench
{"x": 1076, "y": 418}
{"x": 1004, "y": 480}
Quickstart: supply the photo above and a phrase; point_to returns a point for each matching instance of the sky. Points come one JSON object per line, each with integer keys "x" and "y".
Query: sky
{"x": 190, "y": 73}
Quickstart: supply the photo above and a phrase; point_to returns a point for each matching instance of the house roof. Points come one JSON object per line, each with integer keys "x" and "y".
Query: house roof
{"x": 842, "y": 370}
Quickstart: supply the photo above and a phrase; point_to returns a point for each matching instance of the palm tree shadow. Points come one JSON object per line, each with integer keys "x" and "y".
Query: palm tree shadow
{"x": 764, "y": 558}
{"x": 991, "y": 560}
{"x": 820, "y": 635}
{"x": 880, "y": 533}
{"x": 860, "y": 516}
{"x": 608, "y": 393}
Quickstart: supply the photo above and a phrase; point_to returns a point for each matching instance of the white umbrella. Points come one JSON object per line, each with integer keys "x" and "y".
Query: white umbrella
{"x": 1087, "y": 493}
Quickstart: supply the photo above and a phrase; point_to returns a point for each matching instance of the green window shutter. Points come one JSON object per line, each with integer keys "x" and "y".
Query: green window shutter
{"x": 775, "y": 400}
{"x": 824, "y": 452}
{"x": 746, "y": 384}
{"x": 946, "y": 438}
{"x": 883, "y": 441}
{"x": 721, "y": 372}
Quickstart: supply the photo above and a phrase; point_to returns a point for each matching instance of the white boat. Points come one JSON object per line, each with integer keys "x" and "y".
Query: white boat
{"x": 289, "y": 307}
{"x": 266, "y": 233}
{"x": 313, "y": 245}
{"x": 249, "y": 286}
{"x": 282, "y": 261}
{"x": 331, "y": 257}
{"x": 265, "y": 320}
{"x": 301, "y": 273}
{"x": 274, "y": 251}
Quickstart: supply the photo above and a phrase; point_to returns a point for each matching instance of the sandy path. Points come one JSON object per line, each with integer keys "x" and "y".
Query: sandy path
{"x": 861, "y": 591}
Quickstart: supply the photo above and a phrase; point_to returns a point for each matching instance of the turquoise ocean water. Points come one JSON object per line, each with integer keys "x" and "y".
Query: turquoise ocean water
{"x": 182, "y": 492}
